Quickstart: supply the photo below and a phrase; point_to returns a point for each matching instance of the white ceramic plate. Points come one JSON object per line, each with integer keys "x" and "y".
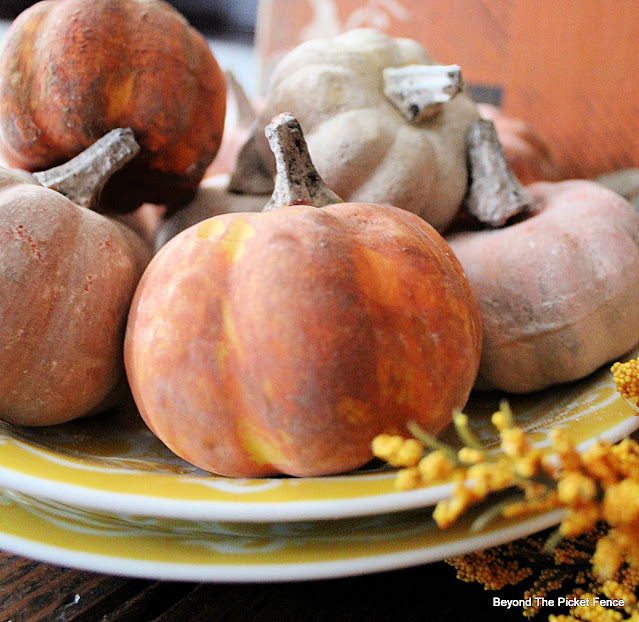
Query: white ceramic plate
{"x": 168, "y": 550}
{"x": 114, "y": 464}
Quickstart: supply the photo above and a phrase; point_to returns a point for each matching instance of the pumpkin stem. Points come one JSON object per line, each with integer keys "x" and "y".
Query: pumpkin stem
{"x": 251, "y": 173}
{"x": 297, "y": 181}
{"x": 494, "y": 194}
{"x": 419, "y": 91}
{"x": 246, "y": 114}
{"x": 82, "y": 178}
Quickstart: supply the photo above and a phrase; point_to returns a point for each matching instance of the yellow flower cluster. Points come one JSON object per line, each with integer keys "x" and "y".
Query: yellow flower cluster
{"x": 599, "y": 489}
{"x": 475, "y": 473}
{"x": 626, "y": 377}
{"x": 598, "y": 485}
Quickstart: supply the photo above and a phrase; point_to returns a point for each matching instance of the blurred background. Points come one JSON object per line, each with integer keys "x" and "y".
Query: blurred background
{"x": 567, "y": 68}
{"x": 235, "y": 18}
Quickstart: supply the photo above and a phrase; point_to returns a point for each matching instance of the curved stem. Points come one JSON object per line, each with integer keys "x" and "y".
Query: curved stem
{"x": 82, "y": 178}
{"x": 419, "y": 91}
{"x": 246, "y": 114}
{"x": 297, "y": 181}
{"x": 251, "y": 173}
{"x": 494, "y": 193}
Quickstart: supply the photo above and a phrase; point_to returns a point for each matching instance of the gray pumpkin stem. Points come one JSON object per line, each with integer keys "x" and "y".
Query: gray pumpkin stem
{"x": 246, "y": 114}
{"x": 494, "y": 193}
{"x": 419, "y": 91}
{"x": 82, "y": 178}
{"x": 251, "y": 173}
{"x": 297, "y": 181}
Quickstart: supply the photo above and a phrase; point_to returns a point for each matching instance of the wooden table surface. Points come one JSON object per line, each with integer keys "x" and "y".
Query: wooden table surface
{"x": 32, "y": 591}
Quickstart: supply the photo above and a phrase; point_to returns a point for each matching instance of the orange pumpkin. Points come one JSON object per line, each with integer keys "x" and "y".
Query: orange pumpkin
{"x": 285, "y": 341}
{"x": 67, "y": 279}
{"x": 71, "y": 70}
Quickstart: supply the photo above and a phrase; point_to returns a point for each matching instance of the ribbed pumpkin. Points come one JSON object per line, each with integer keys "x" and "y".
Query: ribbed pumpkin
{"x": 384, "y": 123}
{"x": 559, "y": 292}
{"x": 71, "y": 70}
{"x": 285, "y": 341}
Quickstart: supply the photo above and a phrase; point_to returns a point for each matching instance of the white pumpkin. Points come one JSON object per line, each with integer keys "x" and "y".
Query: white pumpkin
{"x": 383, "y": 123}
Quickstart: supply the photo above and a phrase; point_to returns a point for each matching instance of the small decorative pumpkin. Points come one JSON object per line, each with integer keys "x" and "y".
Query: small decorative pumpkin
{"x": 67, "y": 279}
{"x": 558, "y": 293}
{"x": 72, "y": 70}
{"x": 527, "y": 153}
{"x": 383, "y": 123}
{"x": 285, "y": 341}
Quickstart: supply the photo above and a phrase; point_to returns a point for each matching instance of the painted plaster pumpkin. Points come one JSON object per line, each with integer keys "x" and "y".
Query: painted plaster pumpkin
{"x": 285, "y": 341}
{"x": 71, "y": 70}
{"x": 67, "y": 279}
{"x": 383, "y": 122}
{"x": 558, "y": 292}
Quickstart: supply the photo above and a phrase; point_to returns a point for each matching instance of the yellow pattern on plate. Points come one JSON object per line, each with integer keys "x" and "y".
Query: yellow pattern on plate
{"x": 114, "y": 463}
{"x": 161, "y": 549}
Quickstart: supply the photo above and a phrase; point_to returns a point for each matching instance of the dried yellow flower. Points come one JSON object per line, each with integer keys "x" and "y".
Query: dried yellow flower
{"x": 599, "y": 490}
{"x": 598, "y": 462}
{"x": 580, "y": 521}
{"x": 626, "y": 378}
{"x": 500, "y": 420}
{"x": 435, "y": 466}
{"x": 528, "y": 466}
{"x": 487, "y": 477}
{"x": 575, "y": 489}
{"x": 608, "y": 557}
{"x": 617, "y": 591}
{"x": 397, "y": 451}
{"x": 470, "y": 455}
{"x": 408, "y": 479}
{"x": 514, "y": 442}
{"x": 569, "y": 458}
{"x": 621, "y": 503}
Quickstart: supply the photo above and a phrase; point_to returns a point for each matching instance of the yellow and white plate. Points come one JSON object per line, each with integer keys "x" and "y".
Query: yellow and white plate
{"x": 112, "y": 463}
{"x": 159, "y": 548}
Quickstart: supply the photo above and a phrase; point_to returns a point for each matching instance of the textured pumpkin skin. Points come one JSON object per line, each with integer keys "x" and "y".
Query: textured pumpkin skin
{"x": 558, "y": 294}
{"x": 71, "y": 70}
{"x": 283, "y": 342}
{"x": 361, "y": 145}
{"x": 67, "y": 280}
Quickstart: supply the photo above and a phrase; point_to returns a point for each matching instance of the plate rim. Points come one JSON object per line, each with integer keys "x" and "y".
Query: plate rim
{"x": 256, "y": 511}
{"x": 276, "y": 573}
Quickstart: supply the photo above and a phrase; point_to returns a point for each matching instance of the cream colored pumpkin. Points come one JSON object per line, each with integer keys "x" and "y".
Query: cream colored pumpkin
{"x": 362, "y": 144}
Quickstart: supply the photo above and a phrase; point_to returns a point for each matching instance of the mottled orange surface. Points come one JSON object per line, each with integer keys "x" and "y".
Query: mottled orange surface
{"x": 72, "y": 70}
{"x": 285, "y": 341}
